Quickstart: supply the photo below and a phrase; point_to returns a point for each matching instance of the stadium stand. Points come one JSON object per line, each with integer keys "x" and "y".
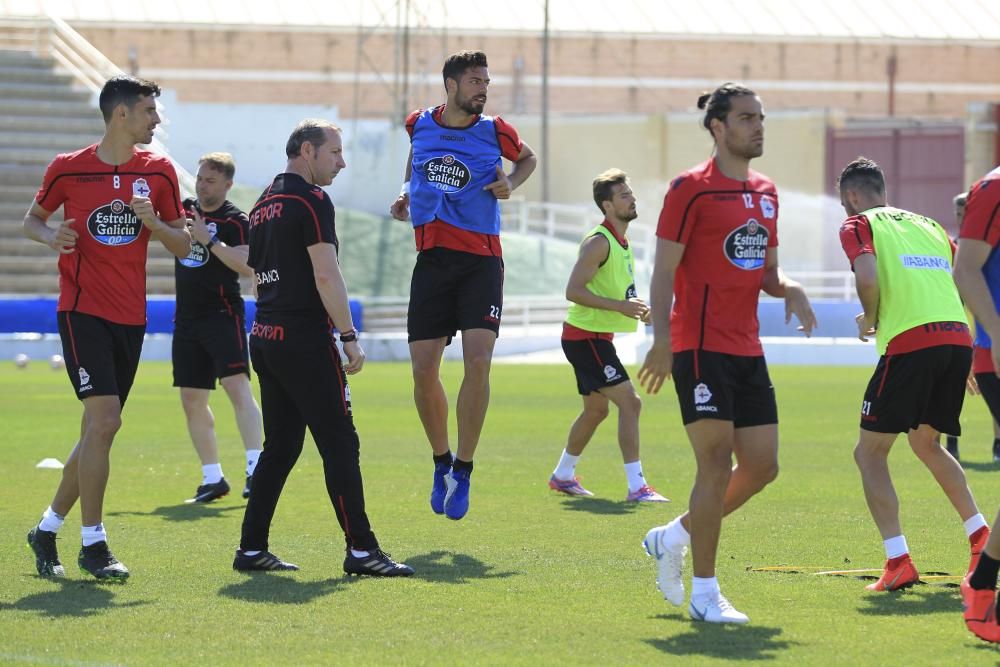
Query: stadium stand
{"x": 42, "y": 113}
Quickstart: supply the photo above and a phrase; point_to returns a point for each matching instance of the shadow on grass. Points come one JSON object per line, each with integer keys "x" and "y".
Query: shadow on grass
{"x": 912, "y": 602}
{"x": 187, "y": 511}
{"x": 276, "y": 588}
{"x": 599, "y": 506}
{"x": 453, "y": 568}
{"x": 73, "y": 598}
{"x": 985, "y": 646}
{"x": 724, "y": 640}
{"x": 981, "y": 466}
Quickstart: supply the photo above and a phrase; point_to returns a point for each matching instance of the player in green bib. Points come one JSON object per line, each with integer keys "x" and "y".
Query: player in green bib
{"x": 902, "y": 265}
{"x": 601, "y": 288}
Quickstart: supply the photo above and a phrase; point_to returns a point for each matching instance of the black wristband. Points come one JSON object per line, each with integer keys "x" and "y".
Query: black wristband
{"x": 349, "y": 336}
{"x": 208, "y": 246}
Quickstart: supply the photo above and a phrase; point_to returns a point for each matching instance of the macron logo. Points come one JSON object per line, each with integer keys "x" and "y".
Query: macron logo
{"x": 925, "y": 262}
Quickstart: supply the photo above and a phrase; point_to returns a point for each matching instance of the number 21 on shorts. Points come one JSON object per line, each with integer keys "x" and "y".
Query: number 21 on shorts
{"x": 866, "y": 408}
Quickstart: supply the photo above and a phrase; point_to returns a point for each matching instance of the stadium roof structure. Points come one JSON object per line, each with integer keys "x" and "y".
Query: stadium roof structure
{"x": 953, "y": 20}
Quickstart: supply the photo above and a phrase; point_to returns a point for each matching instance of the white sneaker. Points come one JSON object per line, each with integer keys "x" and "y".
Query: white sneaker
{"x": 714, "y": 608}
{"x": 669, "y": 562}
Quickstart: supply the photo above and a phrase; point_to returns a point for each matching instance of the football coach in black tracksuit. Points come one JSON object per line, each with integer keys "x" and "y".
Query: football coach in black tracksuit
{"x": 301, "y": 297}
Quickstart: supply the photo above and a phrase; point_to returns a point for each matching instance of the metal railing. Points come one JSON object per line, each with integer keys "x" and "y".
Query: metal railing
{"x": 51, "y": 37}
{"x": 385, "y": 314}
{"x": 832, "y": 285}
{"x": 569, "y": 222}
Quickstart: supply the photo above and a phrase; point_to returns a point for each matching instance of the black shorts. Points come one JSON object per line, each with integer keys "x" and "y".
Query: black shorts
{"x": 595, "y": 363}
{"x": 454, "y": 291}
{"x": 208, "y": 348}
{"x": 714, "y": 385}
{"x": 921, "y": 387}
{"x": 102, "y": 357}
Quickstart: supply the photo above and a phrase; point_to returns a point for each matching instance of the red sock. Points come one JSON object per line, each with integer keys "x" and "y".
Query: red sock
{"x": 978, "y": 534}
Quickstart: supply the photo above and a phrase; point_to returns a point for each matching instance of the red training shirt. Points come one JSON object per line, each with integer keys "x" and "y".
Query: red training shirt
{"x": 726, "y": 226}
{"x": 982, "y": 223}
{"x": 439, "y": 233}
{"x": 106, "y": 275}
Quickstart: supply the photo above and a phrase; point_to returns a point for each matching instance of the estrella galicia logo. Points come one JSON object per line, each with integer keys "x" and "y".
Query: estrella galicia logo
{"x": 447, "y": 173}
{"x": 746, "y": 246}
{"x": 199, "y": 254}
{"x": 197, "y": 257}
{"x": 114, "y": 224}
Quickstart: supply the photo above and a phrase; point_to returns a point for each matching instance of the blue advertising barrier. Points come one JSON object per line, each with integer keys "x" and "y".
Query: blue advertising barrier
{"x": 38, "y": 315}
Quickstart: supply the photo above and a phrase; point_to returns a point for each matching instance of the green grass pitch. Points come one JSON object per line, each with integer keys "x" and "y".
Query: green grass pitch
{"x": 527, "y": 578}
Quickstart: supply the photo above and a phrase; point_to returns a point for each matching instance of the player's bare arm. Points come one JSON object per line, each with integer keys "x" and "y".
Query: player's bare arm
{"x": 658, "y": 365}
{"x": 173, "y": 235}
{"x": 333, "y": 292}
{"x": 62, "y": 239}
{"x": 234, "y": 257}
{"x": 866, "y": 278}
{"x": 593, "y": 253}
{"x": 778, "y": 285}
{"x": 507, "y": 183}
{"x": 969, "y": 261}
{"x": 400, "y": 208}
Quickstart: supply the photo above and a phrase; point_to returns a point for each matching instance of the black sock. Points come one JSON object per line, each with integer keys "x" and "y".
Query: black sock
{"x": 996, "y": 443}
{"x": 985, "y": 575}
{"x": 443, "y": 458}
{"x": 462, "y": 465}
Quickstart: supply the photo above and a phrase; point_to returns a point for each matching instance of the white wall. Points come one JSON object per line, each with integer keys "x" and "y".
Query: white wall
{"x": 256, "y": 134}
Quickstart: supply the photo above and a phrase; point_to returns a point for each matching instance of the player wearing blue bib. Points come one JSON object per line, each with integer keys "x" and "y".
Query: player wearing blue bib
{"x": 454, "y": 181}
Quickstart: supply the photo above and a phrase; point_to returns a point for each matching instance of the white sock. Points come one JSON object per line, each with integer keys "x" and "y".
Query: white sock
{"x": 359, "y": 554}
{"x": 972, "y": 524}
{"x": 567, "y": 466}
{"x": 252, "y": 456}
{"x": 51, "y": 521}
{"x": 704, "y": 586}
{"x": 93, "y": 534}
{"x": 676, "y": 535}
{"x": 211, "y": 473}
{"x": 896, "y": 547}
{"x": 633, "y": 472}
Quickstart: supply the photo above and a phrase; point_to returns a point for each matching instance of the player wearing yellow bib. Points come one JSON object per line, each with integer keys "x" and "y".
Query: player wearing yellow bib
{"x": 902, "y": 266}
{"x": 602, "y": 289}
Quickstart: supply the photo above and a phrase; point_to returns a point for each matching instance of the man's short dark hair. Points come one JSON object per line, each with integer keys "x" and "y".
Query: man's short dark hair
{"x": 312, "y": 130}
{"x": 604, "y": 185}
{"x": 457, "y": 63}
{"x": 124, "y": 89}
{"x": 862, "y": 174}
